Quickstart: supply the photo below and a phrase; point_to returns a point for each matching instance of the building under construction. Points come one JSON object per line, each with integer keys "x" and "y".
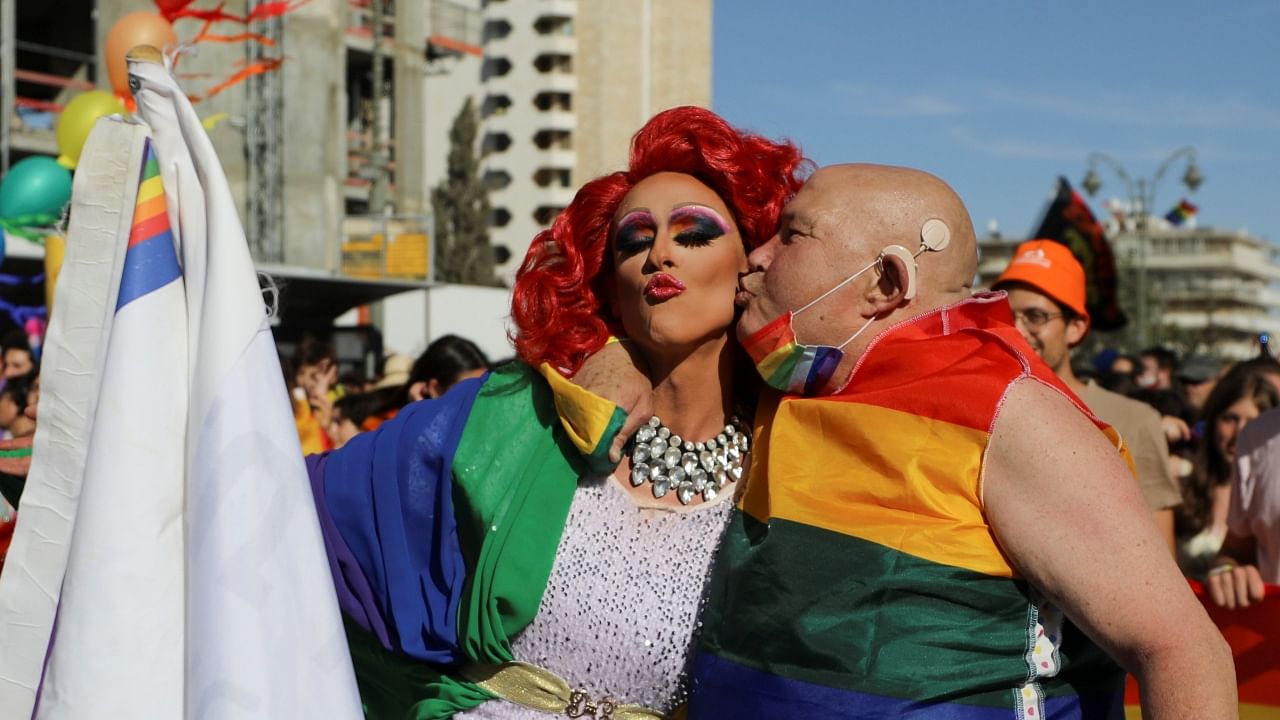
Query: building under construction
{"x": 333, "y": 156}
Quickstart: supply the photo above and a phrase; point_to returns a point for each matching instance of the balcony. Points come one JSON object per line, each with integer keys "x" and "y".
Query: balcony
{"x": 556, "y": 121}
{"x": 554, "y": 196}
{"x": 558, "y": 44}
{"x": 455, "y": 29}
{"x": 360, "y": 171}
{"x": 1267, "y": 298}
{"x": 559, "y": 8}
{"x": 1240, "y": 263}
{"x": 556, "y": 157}
{"x": 556, "y": 82}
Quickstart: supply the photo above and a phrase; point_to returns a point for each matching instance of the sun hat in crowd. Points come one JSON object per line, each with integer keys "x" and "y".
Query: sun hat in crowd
{"x": 1049, "y": 267}
{"x": 395, "y": 372}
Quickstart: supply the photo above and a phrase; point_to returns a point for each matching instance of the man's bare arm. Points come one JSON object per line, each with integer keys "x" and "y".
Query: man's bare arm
{"x": 1065, "y": 508}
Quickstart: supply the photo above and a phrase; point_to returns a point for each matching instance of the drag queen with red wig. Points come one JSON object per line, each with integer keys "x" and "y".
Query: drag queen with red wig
{"x": 490, "y": 560}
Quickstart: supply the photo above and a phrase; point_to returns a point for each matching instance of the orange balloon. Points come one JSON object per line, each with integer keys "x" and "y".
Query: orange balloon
{"x": 136, "y": 28}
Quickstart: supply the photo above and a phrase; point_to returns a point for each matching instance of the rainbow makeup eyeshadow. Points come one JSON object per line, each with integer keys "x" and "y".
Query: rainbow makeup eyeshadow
{"x": 697, "y": 225}
{"x": 634, "y": 231}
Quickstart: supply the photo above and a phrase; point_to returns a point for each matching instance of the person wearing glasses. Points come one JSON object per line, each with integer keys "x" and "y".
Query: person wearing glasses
{"x": 1046, "y": 287}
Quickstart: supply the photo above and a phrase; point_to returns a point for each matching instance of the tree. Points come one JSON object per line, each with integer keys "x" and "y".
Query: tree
{"x": 460, "y": 204}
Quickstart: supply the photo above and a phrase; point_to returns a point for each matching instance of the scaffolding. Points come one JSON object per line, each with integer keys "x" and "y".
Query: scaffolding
{"x": 264, "y": 159}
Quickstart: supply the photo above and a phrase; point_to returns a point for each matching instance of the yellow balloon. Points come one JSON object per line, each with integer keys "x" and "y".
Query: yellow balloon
{"x": 77, "y": 120}
{"x": 55, "y": 247}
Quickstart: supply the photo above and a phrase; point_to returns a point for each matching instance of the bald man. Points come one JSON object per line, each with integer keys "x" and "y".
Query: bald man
{"x": 934, "y": 526}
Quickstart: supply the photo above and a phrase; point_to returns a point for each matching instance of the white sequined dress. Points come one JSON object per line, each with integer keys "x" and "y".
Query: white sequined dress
{"x": 619, "y": 617}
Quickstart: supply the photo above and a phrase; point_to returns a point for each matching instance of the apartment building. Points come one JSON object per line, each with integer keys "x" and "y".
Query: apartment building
{"x": 562, "y": 86}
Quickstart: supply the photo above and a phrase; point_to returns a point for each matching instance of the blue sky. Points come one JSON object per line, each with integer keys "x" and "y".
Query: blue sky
{"x": 999, "y": 97}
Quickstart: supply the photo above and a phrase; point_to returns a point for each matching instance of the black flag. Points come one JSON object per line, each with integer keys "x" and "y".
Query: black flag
{"x": 1069, "y": 221}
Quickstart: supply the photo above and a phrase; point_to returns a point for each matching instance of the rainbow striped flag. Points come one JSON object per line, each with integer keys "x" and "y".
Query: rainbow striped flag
{"x": 127, "y": 550}
{"x": 1182, "y": 213}
{"x": 859, "y": 578}
{"x": 150, "y": 261}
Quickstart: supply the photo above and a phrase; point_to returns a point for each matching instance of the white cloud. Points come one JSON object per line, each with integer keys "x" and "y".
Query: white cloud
{"x": 1018, "y": 148}
{"x": 1145, "y": 108}
{"x": 870, "y": 101}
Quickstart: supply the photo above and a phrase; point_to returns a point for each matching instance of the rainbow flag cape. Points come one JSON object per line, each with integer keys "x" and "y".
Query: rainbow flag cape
{"x": 859, "y": 578}
{"x": 442, "y": 527}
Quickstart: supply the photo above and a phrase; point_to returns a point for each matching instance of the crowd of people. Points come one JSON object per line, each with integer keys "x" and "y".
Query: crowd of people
{"x": 1182, "y": 420}
{"x": 19, "y": 395}
{"x": 1224, "y": 504}
{"x": 330, "y": 409}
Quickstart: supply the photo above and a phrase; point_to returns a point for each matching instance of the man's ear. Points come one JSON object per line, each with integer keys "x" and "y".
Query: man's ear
{"x": 1077, "y": 328}
{"x": 897, "y": 281}
{"x": 418, "y": 391}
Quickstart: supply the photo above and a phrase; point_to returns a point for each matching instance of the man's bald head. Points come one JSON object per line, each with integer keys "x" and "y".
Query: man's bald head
{"x": 825, "y": 262}
{"x": 879, "y": 205}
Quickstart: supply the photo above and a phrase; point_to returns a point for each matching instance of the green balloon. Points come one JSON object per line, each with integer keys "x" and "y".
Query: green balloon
{"x": 37, "y": 185}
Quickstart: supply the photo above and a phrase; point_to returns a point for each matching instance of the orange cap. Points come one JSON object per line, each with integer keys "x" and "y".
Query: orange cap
{"x": 1049, "y": 267}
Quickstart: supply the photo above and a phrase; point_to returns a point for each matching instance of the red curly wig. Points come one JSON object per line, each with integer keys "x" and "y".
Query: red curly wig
{"x": 559, "y": 302}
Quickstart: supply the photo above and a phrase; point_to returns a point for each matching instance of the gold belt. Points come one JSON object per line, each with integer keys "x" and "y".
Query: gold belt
{"x": 539, "y": 689}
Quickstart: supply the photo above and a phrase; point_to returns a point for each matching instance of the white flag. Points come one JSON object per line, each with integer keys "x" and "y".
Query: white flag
{"x": 230, "y": 518}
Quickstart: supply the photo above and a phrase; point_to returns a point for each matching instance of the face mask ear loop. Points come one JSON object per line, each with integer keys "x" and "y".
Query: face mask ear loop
{"x": 844, "y": 282}
{"x": 854, "y": 336}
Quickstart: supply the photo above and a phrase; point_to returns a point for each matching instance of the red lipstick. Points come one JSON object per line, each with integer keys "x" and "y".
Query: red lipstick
{"x": 663, "y": 287}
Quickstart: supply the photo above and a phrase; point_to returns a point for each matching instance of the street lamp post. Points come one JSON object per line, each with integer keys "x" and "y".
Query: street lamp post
{"x": 1142, "y": 197}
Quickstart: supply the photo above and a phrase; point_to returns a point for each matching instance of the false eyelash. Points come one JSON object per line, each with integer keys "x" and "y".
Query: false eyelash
{"x": 630, "y": 243}
{"x": 697, "y": 238}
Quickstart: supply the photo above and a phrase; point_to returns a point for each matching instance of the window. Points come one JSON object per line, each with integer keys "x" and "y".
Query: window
{"x": 494, "y": 105}
{"x": 554, "y": 25}
{"x": 553, "y": 62}
{"x": 552, "y": 177}
{"x": 495, "y": 67}
{"x": 546, "y": 101}
{"x": 545, "y": 214}
{"x": 553, "y": 140}
{"x": 495, "y": 142}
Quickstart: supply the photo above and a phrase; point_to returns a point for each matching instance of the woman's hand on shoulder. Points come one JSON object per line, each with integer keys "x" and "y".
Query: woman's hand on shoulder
{"x": 617, "y": 373}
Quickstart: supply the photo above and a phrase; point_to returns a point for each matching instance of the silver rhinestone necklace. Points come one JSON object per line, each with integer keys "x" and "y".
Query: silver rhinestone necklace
{"x": 672, "y": 464}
